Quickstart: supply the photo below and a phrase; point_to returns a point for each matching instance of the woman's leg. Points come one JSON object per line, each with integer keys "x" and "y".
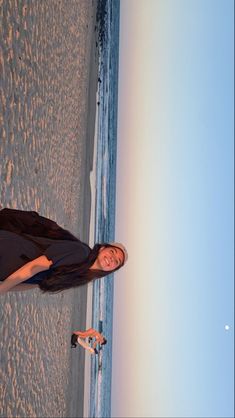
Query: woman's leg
{"x": 85, "y": 345}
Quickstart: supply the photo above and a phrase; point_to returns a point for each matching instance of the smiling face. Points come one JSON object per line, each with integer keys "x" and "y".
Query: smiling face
{"x": 109, "y": 258}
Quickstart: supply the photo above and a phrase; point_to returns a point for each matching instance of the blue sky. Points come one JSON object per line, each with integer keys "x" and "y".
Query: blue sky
{"x": 172, "y": 355}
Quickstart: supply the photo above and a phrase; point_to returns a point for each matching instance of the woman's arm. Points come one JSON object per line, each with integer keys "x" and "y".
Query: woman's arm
{"x": 25, "y": 272}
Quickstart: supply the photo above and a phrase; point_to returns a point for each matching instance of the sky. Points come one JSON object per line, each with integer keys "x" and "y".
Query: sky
{"x": 173, "y": 333}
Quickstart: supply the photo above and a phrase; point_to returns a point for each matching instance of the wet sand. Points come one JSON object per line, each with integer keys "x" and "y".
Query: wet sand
{"x": 47, "y": 115}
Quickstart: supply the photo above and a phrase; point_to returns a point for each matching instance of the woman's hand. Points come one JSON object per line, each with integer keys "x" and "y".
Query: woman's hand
{"x": 25, "y": 272}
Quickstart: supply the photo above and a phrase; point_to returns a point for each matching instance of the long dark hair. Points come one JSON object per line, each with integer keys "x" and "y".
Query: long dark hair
{"x": 74, "y": 275}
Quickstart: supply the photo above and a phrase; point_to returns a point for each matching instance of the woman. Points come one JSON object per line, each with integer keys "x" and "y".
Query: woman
{"x": 35, "y": 251}
{"x": 91, "y": 333}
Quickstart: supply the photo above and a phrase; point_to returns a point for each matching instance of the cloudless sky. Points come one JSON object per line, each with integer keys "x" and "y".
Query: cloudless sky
{"x": 172, "y": 353}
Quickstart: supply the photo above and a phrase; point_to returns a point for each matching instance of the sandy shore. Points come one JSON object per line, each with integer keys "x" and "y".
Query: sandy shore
{"x": 47, "y": 116}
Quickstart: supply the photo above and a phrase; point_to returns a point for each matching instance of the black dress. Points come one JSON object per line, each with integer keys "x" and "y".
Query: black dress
{"x": 18, "y": 248}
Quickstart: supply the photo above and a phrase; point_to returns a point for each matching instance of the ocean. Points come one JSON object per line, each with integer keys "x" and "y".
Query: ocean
{"x": 102, "y": 309}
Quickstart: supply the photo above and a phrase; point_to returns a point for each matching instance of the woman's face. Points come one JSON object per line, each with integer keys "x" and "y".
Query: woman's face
{"x": 109, "y": 258}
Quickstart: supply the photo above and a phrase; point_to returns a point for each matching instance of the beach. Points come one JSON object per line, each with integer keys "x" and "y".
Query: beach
{"x": 49, "y": 68}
